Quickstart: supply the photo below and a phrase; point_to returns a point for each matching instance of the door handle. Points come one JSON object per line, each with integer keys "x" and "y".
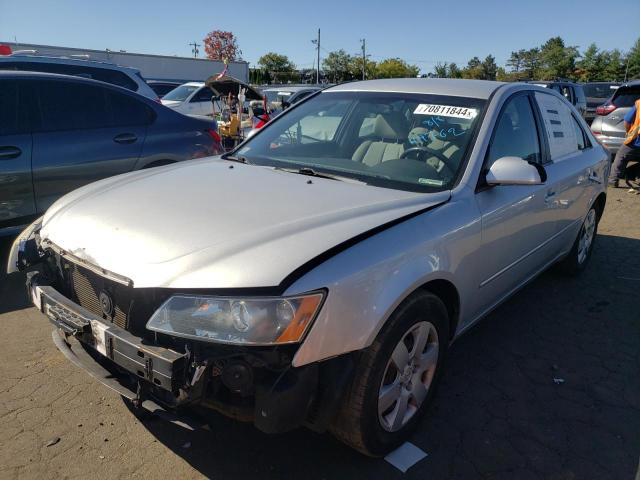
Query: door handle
{"x": 549, "y": 196}
{"x": 125, "y": 138}
{"x": 593, "y": 177}
{"x": 7, "y": 153}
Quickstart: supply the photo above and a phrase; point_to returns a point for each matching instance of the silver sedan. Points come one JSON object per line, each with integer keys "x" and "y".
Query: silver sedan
{"x": 318, "y": 274}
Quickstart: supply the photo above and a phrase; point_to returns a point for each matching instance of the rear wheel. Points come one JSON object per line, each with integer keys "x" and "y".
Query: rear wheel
{"x": 580, "y": 253}
{"x": 395, "y": 377}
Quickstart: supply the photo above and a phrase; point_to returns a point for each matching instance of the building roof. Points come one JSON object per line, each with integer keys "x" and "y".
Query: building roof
{"x": 434, "y": 86}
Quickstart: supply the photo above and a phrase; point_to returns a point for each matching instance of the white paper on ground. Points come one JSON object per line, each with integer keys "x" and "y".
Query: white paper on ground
{"x": 405, "y": 456}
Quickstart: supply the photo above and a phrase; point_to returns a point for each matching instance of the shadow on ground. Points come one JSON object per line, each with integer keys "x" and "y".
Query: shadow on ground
{"x": 12, "y": 293}
{"x": 545, "y": 387}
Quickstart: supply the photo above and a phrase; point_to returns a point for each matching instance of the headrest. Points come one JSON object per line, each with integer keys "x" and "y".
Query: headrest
{"x": 388, "y": 126}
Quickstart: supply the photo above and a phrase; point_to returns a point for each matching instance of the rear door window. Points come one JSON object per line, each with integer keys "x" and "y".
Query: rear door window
{"x": 560, "y": 126}
{"x": 127, "y": 111}
{"x": 13, "y": 108}
{"x": 71, "y": 106}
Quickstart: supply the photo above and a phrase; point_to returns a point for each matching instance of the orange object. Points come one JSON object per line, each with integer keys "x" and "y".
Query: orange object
{"x": 301, "y": 320}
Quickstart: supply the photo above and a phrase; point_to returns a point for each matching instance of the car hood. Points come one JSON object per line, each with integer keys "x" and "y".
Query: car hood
{"x": 212, "y": 223}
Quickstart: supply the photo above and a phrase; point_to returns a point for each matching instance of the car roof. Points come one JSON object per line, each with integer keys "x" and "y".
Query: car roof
{"x": 194, "y": 84}
{"x": 293, "y": 89}
{"x": 65, "y": 61}
{"x": 435, "y": 86}
{"x": 4, "y": 74}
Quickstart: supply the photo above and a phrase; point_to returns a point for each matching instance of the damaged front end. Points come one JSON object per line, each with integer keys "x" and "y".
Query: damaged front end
{"x": 103, "y": 325}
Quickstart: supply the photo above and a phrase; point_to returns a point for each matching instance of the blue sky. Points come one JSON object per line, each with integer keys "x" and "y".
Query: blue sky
{"x": 422, "y": 32}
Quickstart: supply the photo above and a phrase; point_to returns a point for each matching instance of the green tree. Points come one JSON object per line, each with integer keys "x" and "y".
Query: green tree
{"x": 454, "y": 71}
{"x": 441, "y": 70}
{"x": 591, "y": 67}
{"x": 503, "y": 76}
{"x": 613, "y": 65}
{"x": 530, "y": 64}
{"x": 337, "y": 66}
{"x": 515, "y": 62}
{"x": 633, "y": 61}
{"x": 557, "y": 60}
{"x": 355, "y": 68}
{"x": 489, "y": 68}
{"x": 473, "y": 69}
{"x": 396, "y": 68}
{"x": 275, "y": 62}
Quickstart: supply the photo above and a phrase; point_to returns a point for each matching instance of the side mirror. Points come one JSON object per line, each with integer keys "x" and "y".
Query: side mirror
{"x": 515, "y": 171}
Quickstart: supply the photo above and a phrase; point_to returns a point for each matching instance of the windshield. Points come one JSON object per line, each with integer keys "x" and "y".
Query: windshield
{"x": 276, "y": 95}
{"x": 395, "y": 140}
{"x": 181, "y": 93}
{"x": 599, "y": 90}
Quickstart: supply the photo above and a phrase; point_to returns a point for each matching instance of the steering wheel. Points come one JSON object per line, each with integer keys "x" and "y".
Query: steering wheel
{"x": 433, "y": 152}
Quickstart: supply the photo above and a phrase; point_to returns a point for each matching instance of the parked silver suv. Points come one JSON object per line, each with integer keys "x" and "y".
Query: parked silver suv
{"x": 608, "y": 126}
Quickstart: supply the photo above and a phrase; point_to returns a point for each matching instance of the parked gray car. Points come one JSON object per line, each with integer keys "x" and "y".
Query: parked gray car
{"x": 608, "y": 126}
{"x": 317, "y": 274}
{"x": 597, "y": 93}
{"x": 573, "y": 92}
{"x": 59, "y": 132}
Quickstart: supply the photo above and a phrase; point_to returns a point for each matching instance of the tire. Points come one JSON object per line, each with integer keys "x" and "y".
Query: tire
{"x": 358, "y": 422}
{"x": 578, "y": 258}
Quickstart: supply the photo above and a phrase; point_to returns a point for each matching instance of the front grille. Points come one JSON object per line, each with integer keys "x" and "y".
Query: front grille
{"x": 131, "y": 307}
{"x": 86, "y": 288}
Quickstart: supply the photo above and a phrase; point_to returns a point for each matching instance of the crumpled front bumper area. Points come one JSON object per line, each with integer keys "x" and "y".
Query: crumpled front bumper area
{"x": 166, "y": 382}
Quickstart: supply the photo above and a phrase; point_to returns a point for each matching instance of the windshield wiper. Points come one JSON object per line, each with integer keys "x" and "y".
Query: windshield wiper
{"x": 314, "y": 173}
{"x": 239, "y": 158}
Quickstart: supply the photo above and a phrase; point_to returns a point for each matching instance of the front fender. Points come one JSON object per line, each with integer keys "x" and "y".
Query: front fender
{"x": 14, "y": 263}
{"x": 367, "y": 282}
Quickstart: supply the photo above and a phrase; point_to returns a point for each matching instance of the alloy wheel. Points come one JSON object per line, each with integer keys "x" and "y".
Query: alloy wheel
{"x": 586, "y": 236}
{"x": 408, "y": 376}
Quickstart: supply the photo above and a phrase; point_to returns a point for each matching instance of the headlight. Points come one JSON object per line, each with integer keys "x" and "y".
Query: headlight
{"x": 247, "y": 321}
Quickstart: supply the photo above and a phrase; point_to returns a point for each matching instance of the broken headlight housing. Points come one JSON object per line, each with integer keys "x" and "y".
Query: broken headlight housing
{"x": 237, "y": 321}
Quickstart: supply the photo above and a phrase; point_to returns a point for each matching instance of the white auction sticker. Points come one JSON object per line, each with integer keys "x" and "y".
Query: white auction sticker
{"x": 445, "y": 111}
{"x": 99, "y": 336}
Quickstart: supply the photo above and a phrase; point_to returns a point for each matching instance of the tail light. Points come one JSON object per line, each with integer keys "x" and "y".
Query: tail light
{"x": 5, "y": 50}
{"x": 213, "y": 134}
{"x": 605, "y": 109}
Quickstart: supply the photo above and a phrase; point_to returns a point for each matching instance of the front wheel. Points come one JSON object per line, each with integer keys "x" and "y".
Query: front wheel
{"x": 395, "y": 377}
{"x": 580, "y": 253}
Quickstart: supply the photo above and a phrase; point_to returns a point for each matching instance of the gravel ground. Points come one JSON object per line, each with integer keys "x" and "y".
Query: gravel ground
{"x": 498, "y": 413}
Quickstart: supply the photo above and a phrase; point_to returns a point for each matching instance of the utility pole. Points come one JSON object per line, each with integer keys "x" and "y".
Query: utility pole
{"x": 195, "y": 50}
{"x": 364, "y": 58}
{"x": 316, "y": 42}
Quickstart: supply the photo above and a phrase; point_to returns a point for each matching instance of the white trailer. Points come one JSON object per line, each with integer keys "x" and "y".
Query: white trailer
{"x": 152, "y": 67}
